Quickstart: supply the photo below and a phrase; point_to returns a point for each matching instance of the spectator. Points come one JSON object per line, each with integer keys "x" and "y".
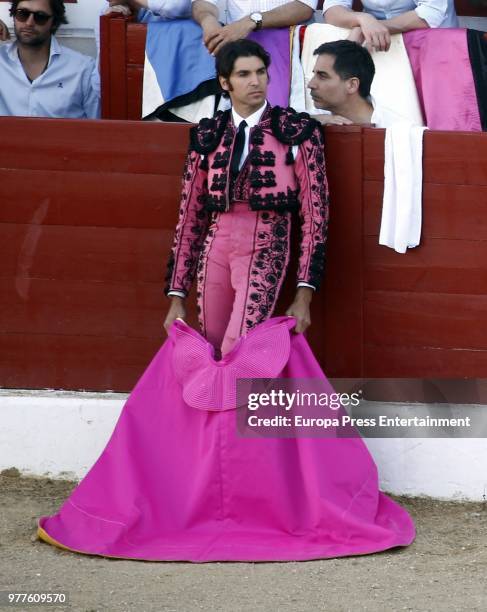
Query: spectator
{"x": 144, "y": 9}
{"x": 341, "y": 82}
{"x": 244, "y": 16}
{"x": 38, "y": 76}
{"x": 381, "y": 18}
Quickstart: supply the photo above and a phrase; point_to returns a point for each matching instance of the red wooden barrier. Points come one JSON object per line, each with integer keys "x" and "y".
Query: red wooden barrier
{"x": 87, "y": 217}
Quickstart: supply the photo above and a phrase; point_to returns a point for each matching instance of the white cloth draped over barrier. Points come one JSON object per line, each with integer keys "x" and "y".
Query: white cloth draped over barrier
{"x": 403, "y": 181}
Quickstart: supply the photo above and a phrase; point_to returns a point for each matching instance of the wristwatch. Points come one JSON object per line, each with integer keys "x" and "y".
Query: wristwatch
{"x": 257, "y": 19}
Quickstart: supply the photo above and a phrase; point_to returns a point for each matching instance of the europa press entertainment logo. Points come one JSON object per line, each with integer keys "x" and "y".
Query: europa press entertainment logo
{"x": 290, "y": 408}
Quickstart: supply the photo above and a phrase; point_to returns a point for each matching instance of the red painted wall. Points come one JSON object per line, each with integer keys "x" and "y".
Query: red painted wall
{"x": 86, "y": 221}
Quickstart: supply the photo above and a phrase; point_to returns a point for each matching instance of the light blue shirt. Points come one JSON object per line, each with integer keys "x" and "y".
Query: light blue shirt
{"x": 436, "y": 13}
{"x": 67, "y": 87}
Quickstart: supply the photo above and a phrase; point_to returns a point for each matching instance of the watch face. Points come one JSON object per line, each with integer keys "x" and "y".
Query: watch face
{"x": 256, "y": 17}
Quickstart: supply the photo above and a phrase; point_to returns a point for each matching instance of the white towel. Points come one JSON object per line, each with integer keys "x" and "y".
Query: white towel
{"x": 403, "y": 180}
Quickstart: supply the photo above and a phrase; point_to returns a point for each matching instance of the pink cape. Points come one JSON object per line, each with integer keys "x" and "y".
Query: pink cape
{"x": 176, "y": 482}
{"x": 441, "y": 66}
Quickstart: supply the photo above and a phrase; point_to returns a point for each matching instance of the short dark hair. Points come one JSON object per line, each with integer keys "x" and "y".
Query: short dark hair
{"x": 229, "y": 53}
{"x": 57, "y": 9}
{"x": 351, "y": 60}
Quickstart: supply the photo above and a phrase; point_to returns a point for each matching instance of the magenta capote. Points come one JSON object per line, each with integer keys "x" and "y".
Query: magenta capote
{"x": 177, "y": 482}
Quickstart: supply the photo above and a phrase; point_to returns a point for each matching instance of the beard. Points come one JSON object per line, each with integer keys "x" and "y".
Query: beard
{"x": 31, "y": 38}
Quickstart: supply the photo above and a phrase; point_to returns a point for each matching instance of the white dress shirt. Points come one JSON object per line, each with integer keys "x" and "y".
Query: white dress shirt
{"x": 252, "y": 120}
{"x": 67, "y": 88}
{"x": 436, "y": 13}
{"x": 232, "y": 10}
{"x": 169, "y": 9}
{"x": 384, "y": 117}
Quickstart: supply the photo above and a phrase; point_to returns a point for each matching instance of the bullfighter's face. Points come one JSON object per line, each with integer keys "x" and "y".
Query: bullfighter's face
{"x": 247, "y": 84}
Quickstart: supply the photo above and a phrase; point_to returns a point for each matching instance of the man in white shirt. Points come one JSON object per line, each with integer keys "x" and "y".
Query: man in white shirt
{"x": 341, "y": 82}
{"x": 38, "y": 76}
{"x": 241, "y": 17}
{"x": 145, "y": 10}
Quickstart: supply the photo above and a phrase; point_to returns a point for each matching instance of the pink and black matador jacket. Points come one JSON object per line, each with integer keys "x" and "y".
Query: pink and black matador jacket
{"x": 270, "y": 180}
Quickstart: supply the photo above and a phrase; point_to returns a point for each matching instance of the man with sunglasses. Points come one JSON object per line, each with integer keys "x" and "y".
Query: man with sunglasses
{"x": 38, "y": 76}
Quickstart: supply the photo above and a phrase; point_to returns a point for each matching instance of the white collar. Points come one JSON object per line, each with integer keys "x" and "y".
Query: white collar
{"x": 252, "y": 120}
{"x": 54, "y": 49}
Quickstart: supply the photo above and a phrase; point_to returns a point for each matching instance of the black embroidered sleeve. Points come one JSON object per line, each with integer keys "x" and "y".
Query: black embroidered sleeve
{"x": 191, "y": 227}
{"x": 314, "y": 208}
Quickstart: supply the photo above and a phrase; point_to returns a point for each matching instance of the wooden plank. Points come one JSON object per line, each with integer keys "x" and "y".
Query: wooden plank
{"x": 81, "y": 307}
{"x": 118, "y": 68}
{"x": 135, "y": 79}
{"x": 339, "y": 330}
{"x": 438, "y": 266}
{"x": 66, "y": 198}
{"x": 105, "y": 70}
{"x": 457, "y": 212}
{"x": 100, "y": 254}
{"x": 90, "y": 363}
{"x": 437, "y": 320}
{"x": 84, "y": 308}
{"x": 453, "y": 158}
{"x": 93, "y": 145}
{"x": 136, "y": 36}
{"x": 420, "y": 362}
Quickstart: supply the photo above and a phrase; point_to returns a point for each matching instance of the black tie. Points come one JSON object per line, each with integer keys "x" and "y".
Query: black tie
{"x": 238, "y": 148}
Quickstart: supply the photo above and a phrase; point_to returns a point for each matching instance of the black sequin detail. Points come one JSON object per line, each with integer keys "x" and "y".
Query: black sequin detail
{"x": 257, "y": 158}
{"x": 205, "y": 137}
{"x": 220, "y": 160}
{"x": 290, "y": 127}
{"x": 219, "y": 182}
{"x": 280, "y": 201}
{"x": 260, "y": 179}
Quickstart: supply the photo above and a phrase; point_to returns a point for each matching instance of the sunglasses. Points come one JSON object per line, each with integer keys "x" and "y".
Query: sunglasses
{"x": 40, "y": 18}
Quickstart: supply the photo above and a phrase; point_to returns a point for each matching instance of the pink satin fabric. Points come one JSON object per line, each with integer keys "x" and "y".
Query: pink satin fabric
{"x": 443, "y": 74}
{"x": 277, "y": 42}
{"x": 176, "y": 481}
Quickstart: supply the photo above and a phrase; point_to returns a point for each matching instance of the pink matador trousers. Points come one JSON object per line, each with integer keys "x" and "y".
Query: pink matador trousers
{"x": 240, "y": 272}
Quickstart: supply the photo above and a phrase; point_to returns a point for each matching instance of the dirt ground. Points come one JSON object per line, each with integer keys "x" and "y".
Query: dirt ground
{"x": 444, "y": 569}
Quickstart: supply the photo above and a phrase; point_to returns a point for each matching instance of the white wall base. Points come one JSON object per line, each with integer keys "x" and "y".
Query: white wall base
{"x": 60, "y": 434}
{"x": 444, "y": 468}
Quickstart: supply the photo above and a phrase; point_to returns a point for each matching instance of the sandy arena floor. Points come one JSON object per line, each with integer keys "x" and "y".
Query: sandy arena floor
{"x": 444, "y": 569}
